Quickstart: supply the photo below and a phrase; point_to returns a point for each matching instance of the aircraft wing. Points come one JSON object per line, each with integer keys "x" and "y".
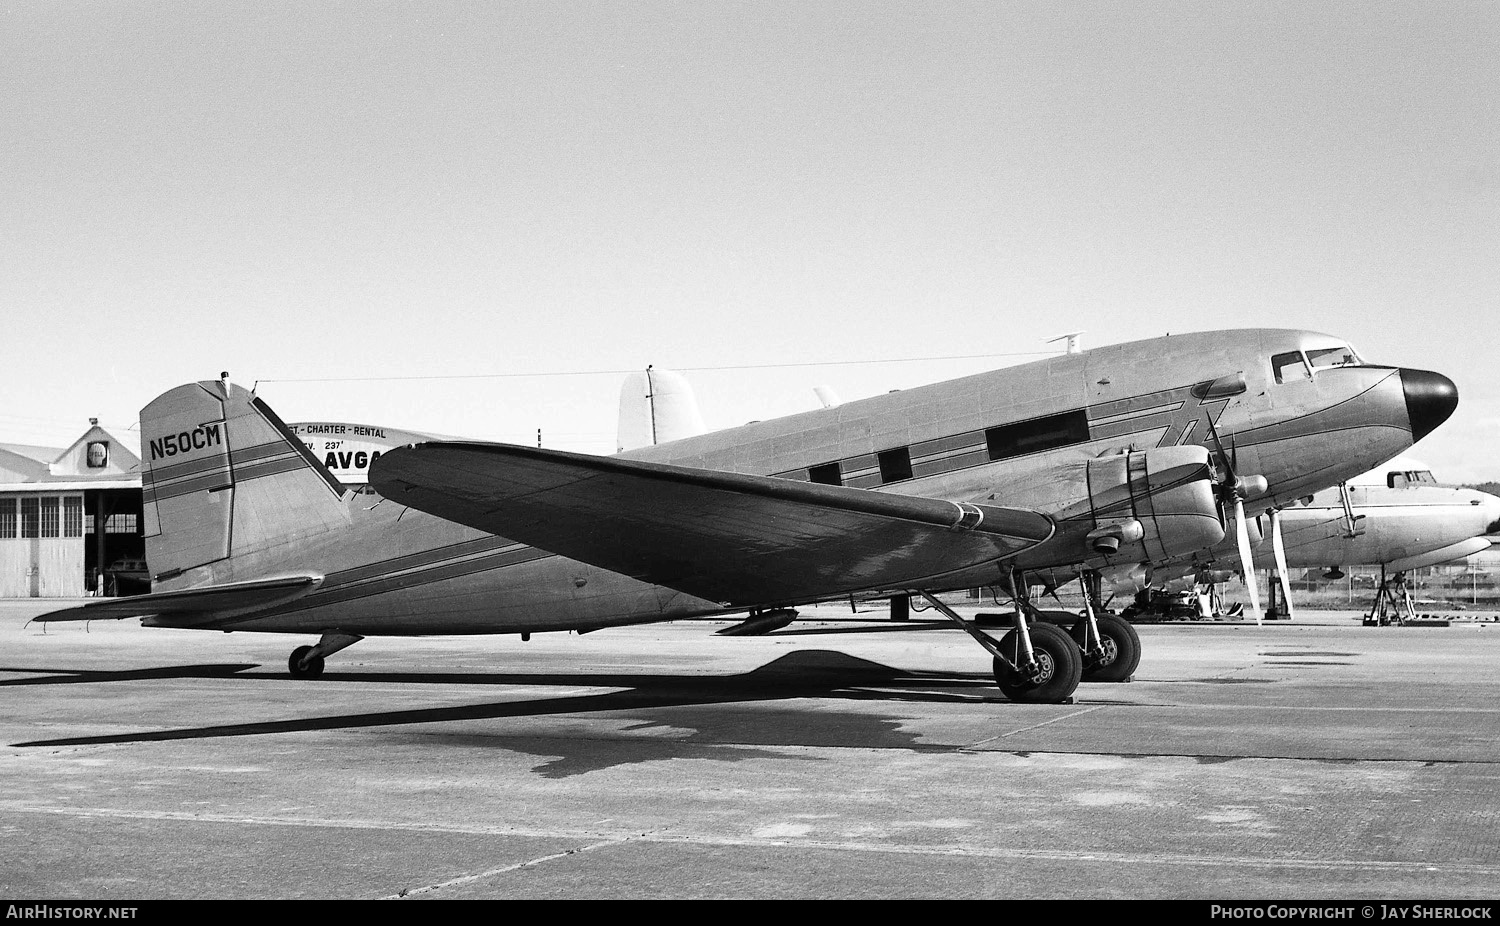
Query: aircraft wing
{"x": 216, "y": 600}
{"x": 727, "y": 537}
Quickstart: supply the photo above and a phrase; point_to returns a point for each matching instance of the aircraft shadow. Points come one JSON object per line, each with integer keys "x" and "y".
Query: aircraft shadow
{"x": 807, "y": 674}
{"x": 884, "y": 626}
{"x": 76, "y": 676}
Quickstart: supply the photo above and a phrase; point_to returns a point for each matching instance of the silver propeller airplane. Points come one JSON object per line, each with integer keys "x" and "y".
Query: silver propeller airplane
{"x": 1089, "y": 460}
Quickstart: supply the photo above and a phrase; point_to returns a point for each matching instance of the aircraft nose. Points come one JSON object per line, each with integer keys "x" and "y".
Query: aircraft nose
{"x": 1491, "y": 513}
{"x": 1430, "y": 399}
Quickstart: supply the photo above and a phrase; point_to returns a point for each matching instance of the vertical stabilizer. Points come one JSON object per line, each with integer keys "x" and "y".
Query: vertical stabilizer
{"x": 223, "y": 476}
{"x": 657, "y": 406}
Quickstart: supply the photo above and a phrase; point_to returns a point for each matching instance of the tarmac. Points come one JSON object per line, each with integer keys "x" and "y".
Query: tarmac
{"x": 844, "y": 757}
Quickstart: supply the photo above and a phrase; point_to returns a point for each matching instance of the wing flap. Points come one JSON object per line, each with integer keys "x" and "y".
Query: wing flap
{"x": 209, "y": 600}
{"x": 727, "y": 537}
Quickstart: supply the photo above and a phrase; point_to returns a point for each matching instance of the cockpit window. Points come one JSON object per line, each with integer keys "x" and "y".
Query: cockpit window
{"x": 1403, "y": 478}
{"x": 1290, "y": 367}
{"x": 1332, "y": 357}
{"x": 1295, "y": 366}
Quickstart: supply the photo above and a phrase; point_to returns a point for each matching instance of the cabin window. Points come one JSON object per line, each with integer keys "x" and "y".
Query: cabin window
{"x": 895, "y": 465}
{"x": 1291, "y": 367}
{"x": 1036, "y": 435}
{"x": 828, "y": 474}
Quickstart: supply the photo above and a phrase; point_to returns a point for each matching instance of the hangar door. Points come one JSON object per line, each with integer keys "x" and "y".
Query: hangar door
{"x": 41, "y": 546}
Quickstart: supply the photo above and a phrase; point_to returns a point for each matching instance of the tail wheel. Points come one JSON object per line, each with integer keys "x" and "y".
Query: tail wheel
{"x": 312, "y": 669}
{"x": 1121, "y": 645}
{"x": 1059, "y": 666}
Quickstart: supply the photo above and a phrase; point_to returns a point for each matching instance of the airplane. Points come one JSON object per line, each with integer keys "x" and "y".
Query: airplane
{"x": 1397, "y": 516}
{"x": 1121, "y": 454}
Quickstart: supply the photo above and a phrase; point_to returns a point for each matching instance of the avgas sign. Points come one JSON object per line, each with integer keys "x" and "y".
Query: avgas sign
{"x": 347, "y": 449}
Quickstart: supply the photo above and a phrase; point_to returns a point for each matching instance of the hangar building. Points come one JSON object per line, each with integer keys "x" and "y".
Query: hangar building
{"x": 70, "y": 519}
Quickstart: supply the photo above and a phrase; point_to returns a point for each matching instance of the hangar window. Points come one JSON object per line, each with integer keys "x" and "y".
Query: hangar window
{"x": 895, "y": 465}
{"x": 30, "y": 518}
{"x": 7, "y": 518}
{"x": 73, "y": 516}
{"x": 51, "y": 526}
{"x": 828, "y": 474}
{"x": 1038, "y": 434}
{"x": 121, "y": 524}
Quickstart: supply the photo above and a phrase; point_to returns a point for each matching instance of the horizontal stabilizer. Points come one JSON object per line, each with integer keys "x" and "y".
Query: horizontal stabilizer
{"x": 731, "y": 538}
{"x": 217, "y": 600}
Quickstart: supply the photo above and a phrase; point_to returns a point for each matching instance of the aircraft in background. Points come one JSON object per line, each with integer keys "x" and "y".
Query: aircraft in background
{"x": 1396, "y": 516}
{"x": 1091, "y": 460}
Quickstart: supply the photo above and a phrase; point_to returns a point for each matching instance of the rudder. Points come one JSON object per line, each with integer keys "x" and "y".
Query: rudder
{"x": 223, "y": 476}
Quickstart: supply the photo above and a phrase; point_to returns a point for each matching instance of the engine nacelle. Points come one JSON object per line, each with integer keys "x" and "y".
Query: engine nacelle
{"x": 1150, "y": 506}
{"x": 1145, "y": 506}
{"x": 1125, "y": 579}
{"x": 1207, "y": 576}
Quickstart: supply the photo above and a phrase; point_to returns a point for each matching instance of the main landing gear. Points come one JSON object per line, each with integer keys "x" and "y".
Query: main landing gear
{"x": 1110, "y": 646}
{"x": 1039, "y": 661}
{"x": 1111, "y": 652}
{"x": 1051, "y": 673}
{"x": 307, "y": 661}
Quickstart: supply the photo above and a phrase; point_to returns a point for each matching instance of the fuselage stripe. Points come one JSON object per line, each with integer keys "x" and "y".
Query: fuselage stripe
{"x": 389, "y": 582}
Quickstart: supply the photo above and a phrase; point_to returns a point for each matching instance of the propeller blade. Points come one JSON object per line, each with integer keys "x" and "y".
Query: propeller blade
{"x": 1280, "y": 549}
{"x": 1247, "y": 563}
{"x": 1231, "y": 477}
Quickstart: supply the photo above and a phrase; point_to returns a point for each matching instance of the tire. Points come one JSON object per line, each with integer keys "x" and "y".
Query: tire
{"x": 313, "y": 669}
{"x": 1122, "y": 649}
{"x": 1061, "y": 661}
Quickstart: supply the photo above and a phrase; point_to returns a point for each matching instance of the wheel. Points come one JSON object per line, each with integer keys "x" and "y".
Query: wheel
{"x": 1060, "y": 662}
{"x": 1121, "y": 645}
{"x": 313, "y": 669}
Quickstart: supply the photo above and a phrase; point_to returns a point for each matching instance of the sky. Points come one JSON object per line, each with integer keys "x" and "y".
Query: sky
{"x": 474, "y": 218}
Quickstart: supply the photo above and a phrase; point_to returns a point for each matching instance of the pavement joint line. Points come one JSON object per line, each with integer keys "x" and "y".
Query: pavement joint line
{"x": 529, "y": 863}
{"x": 1035, "y": 726}
{"x": 1062, "y": 854}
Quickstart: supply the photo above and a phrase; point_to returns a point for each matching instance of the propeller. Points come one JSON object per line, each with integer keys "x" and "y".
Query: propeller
{"x": 1233, "y": 489}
